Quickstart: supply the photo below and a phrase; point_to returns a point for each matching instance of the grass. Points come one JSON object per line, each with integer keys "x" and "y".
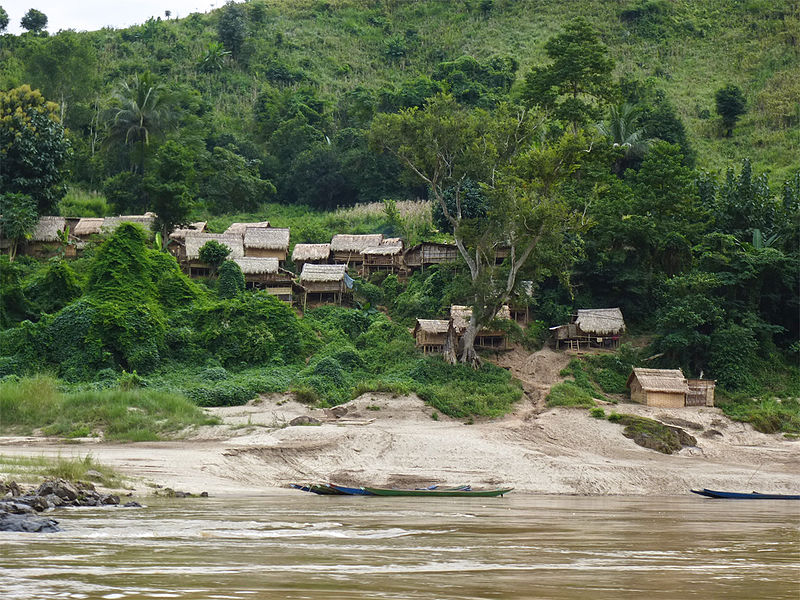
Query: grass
{"x": 569, "y": 393}
{"x": 36, "y": 403}
{"x": 31, "y": 469}
{"x": 652, "y": 434}
{"x": 767, "y": 415}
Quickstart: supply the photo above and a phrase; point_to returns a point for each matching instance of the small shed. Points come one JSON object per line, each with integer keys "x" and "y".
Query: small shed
{"x": 265, "y": 273}
{"x": 317, "y": 254}
{"x": 485, "y": 338}
{"x": 266, "y": 242}
{"x": 47, "y": 238}
{"x": 195, "y": 240}
{"x": 591, "y": 327}
{"x": 324, "y": 283}
{"x": 431, "y": 335}
{"x": 429, "y": 253}
{"x": 701, "y": 392}
{"x": 386, "y": 256}
{"x": 665, "y": 388}
{"x": 349, "y": 249}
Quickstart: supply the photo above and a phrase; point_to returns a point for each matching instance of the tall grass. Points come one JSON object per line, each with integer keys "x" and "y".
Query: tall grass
{"x": 81, "y": 203}
{"x": 36, "y": 403}
{"x": 30, "y": 469}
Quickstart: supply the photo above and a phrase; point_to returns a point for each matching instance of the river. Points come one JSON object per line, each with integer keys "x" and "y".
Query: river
{"x": 297, "y": 545}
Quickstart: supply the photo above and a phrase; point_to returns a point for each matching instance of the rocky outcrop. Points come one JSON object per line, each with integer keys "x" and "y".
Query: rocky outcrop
{"x": 18, "y": 508}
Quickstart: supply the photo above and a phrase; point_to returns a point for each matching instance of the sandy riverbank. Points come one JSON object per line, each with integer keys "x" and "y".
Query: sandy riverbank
{"x": 395, "y": 441}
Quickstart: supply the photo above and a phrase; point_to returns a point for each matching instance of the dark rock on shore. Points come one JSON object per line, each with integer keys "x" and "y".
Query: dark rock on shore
{"x": 27, "y": 523}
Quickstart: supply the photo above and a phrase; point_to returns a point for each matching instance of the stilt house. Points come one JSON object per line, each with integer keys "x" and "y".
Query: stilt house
{"x": 193, "y": 266}
{"x": 349, "y": 249}
{"x": 593, "y": 327}
{"x": 431, "y": 335}
{"x": 485, "y": 338}
{"x": 386, "y": 256}
{"x": 317, "y": 254}
{"x": 176, "y": 245}
{"x": 266, "y": 242}
{"x": 266, "y": 274}
{"x": 429, "y": 253}
{"x": 324, "y": 283}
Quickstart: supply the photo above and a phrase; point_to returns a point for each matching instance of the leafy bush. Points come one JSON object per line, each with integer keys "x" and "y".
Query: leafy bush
{"x": 213, "y": 253}
{"x": 569, "y": 393}
{"x": 231, "y": 280}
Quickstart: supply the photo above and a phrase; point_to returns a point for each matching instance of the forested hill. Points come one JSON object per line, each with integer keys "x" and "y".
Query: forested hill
{"x": 340, "y": 61}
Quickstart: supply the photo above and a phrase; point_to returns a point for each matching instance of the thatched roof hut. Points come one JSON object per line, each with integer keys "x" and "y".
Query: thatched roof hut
{"x": 460, "y": 315}
{"x": 195, "y": 240}
{"x": 322, "y": 273}
{"x": 303, "y": 253}
{"x": 239, "y": 228}
{"x": 145, "y": 221}
{"x": 268, "y": 238}
{"x": 257, "y": 265}
{"x": 431, "y": 334}
{"x": 430, "y": 253}
{"x": 600, "y": 321}
{"x": 355, "y": 244}
{"x": 180, "y": 234}
{"x": 666, "y": 388}
{"x": 324, "y": 283}
{"x": 48, "y": 229}
{"x": 88, "y": 226}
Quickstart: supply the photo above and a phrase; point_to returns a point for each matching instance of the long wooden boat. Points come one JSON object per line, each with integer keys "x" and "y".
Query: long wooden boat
{"x": 439, "y": 492}
{"x": 744, "y": 495}
{"x": 350, "y": 491}
{"x": 316, "y": 488}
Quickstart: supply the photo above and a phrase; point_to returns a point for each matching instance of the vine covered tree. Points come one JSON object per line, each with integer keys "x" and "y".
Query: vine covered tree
{"x": 213, "y": 253}
{"x": 33, "y": 148}
{"x": 170, "y": 187}
{"x": 232, "y": 28}
{"x": 34, "y": 21}
{"x": 18, "y": 219}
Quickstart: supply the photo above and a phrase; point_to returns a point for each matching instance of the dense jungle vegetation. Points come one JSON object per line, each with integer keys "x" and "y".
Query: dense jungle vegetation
{"x": 655, "y": 143}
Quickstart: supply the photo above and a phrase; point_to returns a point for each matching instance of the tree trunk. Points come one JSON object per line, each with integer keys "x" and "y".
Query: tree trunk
{"x": 468, "y": 354}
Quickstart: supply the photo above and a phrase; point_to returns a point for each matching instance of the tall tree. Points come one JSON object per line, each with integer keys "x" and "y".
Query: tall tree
{"x": 33, "y": 149}
{"x": 170, "y": 187}
{"x": 34, "y": 21}
{"x": 730, "y": 105}
{"x": 623, "y": 131}
{"x": 145, "y": 110}
{"x": 3, "y": 19}
{"x": 232, "y": 28}
{"x": 578, "y": 80}
{"x": 526, "y": 218}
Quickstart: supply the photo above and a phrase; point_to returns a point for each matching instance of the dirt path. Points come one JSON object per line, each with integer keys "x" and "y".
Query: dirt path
{"x": 537, "y": 371}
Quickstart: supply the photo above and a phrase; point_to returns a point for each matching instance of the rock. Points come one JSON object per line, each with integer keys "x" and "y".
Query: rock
{"x": 60, "y": 487}
{"x": 679, "y": 422}
{"x": 37, "y": 503}
{"x": 27, "y": 523}
{"x": 131, "y": 504}
{"x": 15, "y": 508}
{"x": 711, "y": 433}
{"x": 84, "y": 486}
{"x": 95, "y": 475}
{"x": 304, "y": 420}
{"x": 337, "y": 411}
{"x": 684, "y": 438}
{"x": 109, "y": 499}
{"x": 11, "y": 488}
{"x": 204, "y": 494}
{"x": 53, "y": 501}
{"x": 719, "y": 424}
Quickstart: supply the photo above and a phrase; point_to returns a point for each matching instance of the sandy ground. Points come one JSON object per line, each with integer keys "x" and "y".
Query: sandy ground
{"x": 394, "y": 441}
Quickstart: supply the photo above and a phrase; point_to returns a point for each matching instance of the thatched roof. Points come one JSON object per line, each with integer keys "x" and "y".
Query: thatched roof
{"x": 432, "y": 326}
{"x": 460, "y": 315}
{"x": 88, "y": 226}
{"x": 343, "y": 242}
{"x": 239, "y": 228}
{"x": 253, "y": 265}
{"x": 146, "y": 221}
{"x": 305, "y": 252}
{"x": 319, "y": 273}
{"x": 600, "y": 321}
{"x": 48, "y": 228}
{"x": 660, "y": 380}
{"x": 383, "y": 249}
{"x": 180, "y": 234}
{"x": 195, "y": 240}
{"x": 266, "y": 238}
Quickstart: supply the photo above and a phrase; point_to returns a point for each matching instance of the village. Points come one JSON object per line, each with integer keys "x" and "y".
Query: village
{"x": 324, "y": 274}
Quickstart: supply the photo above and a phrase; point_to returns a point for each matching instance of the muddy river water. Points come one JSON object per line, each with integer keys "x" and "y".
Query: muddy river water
{"x": 297, "y": 545}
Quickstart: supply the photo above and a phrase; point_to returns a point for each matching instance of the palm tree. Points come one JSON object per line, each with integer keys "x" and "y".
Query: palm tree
{"x": 621, "y": 130}
{"x": 146, "y": 110}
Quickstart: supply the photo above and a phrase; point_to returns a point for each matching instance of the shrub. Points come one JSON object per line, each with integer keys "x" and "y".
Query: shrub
{"x": 213, "y": 253}
{"x": 231, "y": 280}
{"x": 569, "y": 393}
{"x": 597, "y": 413}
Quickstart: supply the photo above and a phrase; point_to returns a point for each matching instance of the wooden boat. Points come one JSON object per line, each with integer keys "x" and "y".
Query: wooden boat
{"x": 452, "y": 493}
{"x": 350, "y": 491}
{"x": 316, "y": 488}
{"x": 744, "y": 496}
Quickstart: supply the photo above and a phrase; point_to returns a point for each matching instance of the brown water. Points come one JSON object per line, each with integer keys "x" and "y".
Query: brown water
{"x": 296, "y": 545}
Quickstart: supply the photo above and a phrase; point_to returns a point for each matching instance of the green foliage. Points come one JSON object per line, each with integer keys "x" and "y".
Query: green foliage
{"x": 18, "y": 219}
{"x": 54, "y": 288}
{"x": 214, "y": 253}
{"x": 597, "y": 413}
{"x": 170, "y": 187}
{"x": 730, "y": 105}
{"x": 232, "y": 183}
{"x": 34, "y": 21}
{"x": 767, "y": 415}
{"x": 469, "y": 197}
{"x": 80, "y": 203}
{"x": 3, "y": 19}
{"x": 33, "y": 148}
{"x": 232, "y": 28}
{"x": 231, "y": 280}
{"x": 569, "y": 394}
{"x": 133, "y": 415}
